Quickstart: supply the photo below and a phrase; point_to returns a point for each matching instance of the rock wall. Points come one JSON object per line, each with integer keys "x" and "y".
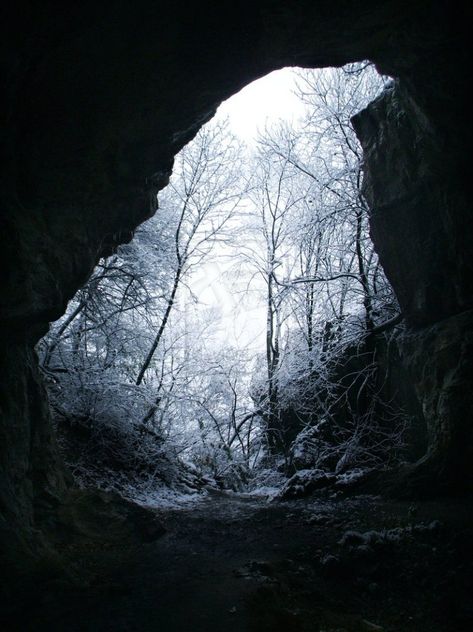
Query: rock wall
{"x": 420, "y": 215}
{"x": 98, "y": 98}
{"x": 416, "y": 151}
{"x": 439, "y": 360}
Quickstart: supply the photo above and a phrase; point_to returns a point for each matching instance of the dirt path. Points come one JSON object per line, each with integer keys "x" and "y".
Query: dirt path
{"x": 235, "y": 564}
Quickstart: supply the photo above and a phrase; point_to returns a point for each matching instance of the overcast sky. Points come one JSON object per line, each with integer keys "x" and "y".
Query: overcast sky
{"x": 264, "y": 101}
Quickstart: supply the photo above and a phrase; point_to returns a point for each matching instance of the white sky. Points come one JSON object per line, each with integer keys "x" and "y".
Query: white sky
{"x": 261, "y": 103}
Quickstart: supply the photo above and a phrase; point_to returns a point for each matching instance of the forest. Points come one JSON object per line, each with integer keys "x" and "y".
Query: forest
{"x": 279, "y": 382}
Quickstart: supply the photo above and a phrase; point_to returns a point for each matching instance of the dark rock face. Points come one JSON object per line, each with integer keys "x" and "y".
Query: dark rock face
{"x": 32, "y": 480}
{"x": 420, "y": 220}
{"x": 440, "y": 362}
{"x": 99, "y": 98}
{"x": 416, "y": 140}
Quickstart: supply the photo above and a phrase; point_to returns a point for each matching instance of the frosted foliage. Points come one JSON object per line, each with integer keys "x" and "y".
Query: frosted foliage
{"x": 152, "y": 381}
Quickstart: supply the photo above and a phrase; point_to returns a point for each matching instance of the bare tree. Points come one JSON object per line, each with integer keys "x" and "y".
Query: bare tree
{"x": 276, "y": 193}
{"x": 324, "y": 288}
{"x": 204, "y": 191}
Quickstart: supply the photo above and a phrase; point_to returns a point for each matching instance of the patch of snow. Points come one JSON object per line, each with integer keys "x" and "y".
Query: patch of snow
{"x": 352, "y": 476}
{"x": 265, "y": 491}
{"x": 165, "y": 498}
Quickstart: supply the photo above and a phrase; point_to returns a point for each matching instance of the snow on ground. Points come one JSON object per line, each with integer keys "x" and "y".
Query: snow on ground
{"x": 166, "y": 498}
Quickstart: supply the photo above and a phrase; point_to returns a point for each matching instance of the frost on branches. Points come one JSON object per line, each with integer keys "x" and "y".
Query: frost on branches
{"x": 146, "y": 391}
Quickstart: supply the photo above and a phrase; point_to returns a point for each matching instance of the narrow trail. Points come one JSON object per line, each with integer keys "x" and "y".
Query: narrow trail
{"x": 239, "y": 564}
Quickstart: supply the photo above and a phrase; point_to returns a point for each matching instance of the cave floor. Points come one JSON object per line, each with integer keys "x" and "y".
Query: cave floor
{"x": 238, "y": 563}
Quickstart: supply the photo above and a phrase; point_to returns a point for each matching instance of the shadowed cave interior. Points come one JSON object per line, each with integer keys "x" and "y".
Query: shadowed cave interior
{"x": 97, "y": 102}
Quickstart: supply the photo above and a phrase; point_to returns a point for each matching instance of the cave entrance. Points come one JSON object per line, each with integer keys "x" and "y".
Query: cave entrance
{"x": 231, "y": 342}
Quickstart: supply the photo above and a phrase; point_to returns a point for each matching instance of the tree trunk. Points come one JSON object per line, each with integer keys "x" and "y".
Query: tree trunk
{"x": 161, "y": 329}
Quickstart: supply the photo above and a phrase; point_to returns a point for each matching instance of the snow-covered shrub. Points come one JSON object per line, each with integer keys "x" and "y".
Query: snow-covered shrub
{"x": 103, "y": 438}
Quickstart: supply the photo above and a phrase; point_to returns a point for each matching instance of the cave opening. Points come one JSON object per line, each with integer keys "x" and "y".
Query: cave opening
{"x": 97, "y": 102}
{"x": 242, "y": 339}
